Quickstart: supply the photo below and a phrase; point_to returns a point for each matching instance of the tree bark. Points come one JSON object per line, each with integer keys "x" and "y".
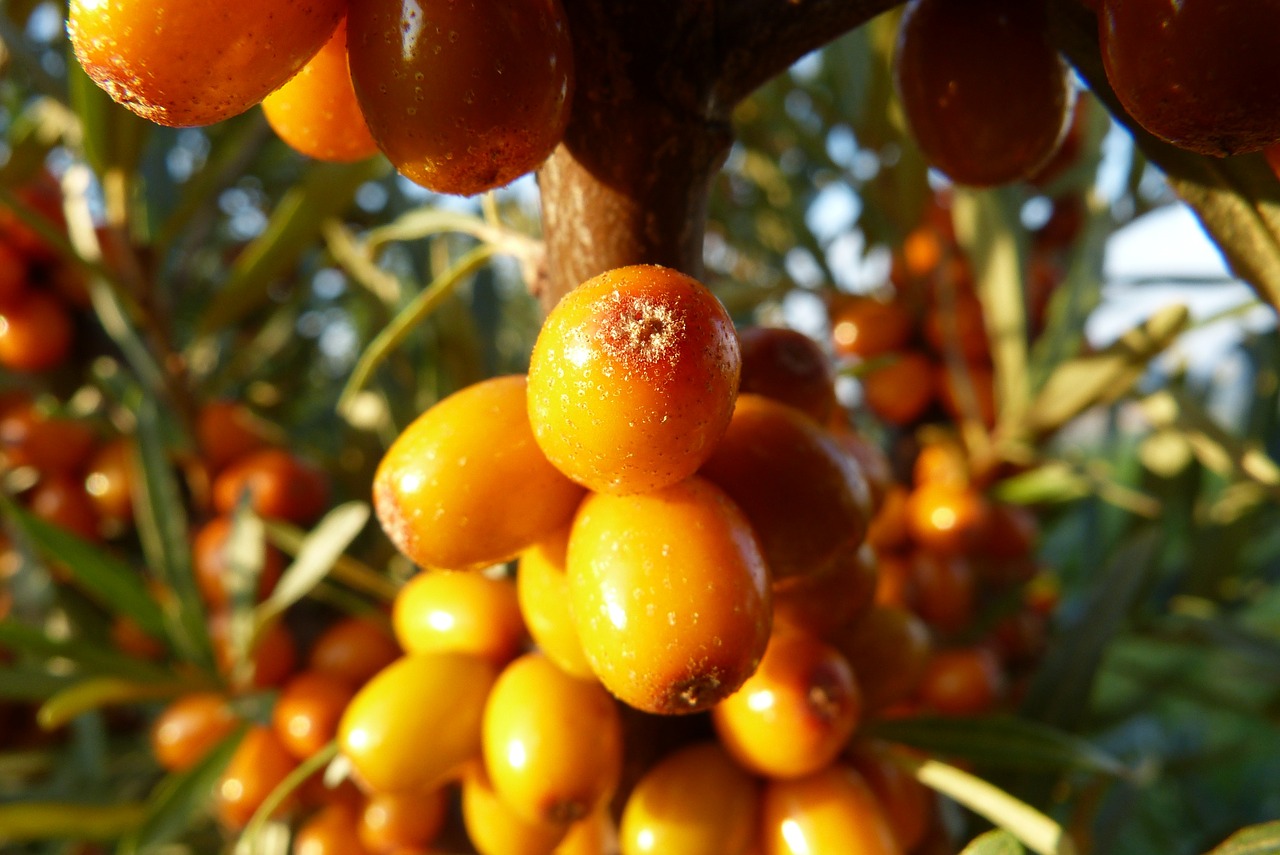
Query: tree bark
{"x": 657, "y": 82}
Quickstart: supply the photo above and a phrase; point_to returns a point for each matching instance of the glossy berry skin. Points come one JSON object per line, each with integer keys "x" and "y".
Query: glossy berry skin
{"x": 393, "y": 822}
{"x": 832, "y": 810}
{"x": 307, "y": 711}
{"x": 866, "y": 327}
{"x": 908, "y": 804}
{"x": 695, "y": 801}
{"x": 947, "y": 518}
{"x": 632, "y": 379}
{"x": 48, "y": 444}
{"x": 464, "y": 612}
{"x": 471, "y": 462}
{"x": 795, "y": 713}
{"x": 788, "y": 366}
{"x": 189, "y": 728}
{"x": 963, "y": 681}
{"x": 62, "y": 501}
{"x": 227, "y": 431}
{"x": 888, "y": 648}
{"x": 329, "y": 831}
{"x": 542, "y": 589}
{"x": 494, "y": 828}
{"x": 182, "y": 64}
{"x": 552, "y": 743}
{"x": 462, "y": 96}
{"x": 280, "y": 486}
{"x": 353, "y": 649}
{"x": 986, "y": 95}
{"x": 109, "y": 481}
{"x": 316, "y": 112}
{"x": 1197, "y": 74}
{"x": 825, "y": 602}
{"x": 806, "y": 499}
{"x": 35, "y": 333}
{"x": 901, "y": 390}
{"x": 437, "y": 694}
{"x": 257, "y": 767}
{"x": 671, "y": 595}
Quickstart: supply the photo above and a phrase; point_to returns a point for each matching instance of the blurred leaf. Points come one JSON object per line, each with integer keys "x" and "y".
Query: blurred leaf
{"x": 1053, "y": 481}
{"x": 112, "y": 583}
{"x": 162, "y": 529}
{"x": 180, "y": 797}
{"x": 316, "y": 556}
{"x": 997, "y": 841}
{"x": 1263, "y": 839}
{"x": 40, "y": 127}
{"x": 112, "y": 137}
{"x": 1037, "y": 832}
{"x": 1062, "y": 686}
{"x": 1105, "y": 376}
{"x": 30, "y": 684}
{"x": 293, "y": 229}
{"x": 345, "y": 569}
{"x": 29, "y": 821}
{"x": 97, "y": 692}
{"x": 92, "y": 657}
{"x": 253, "y": 840}
{"x": 1237, "y": 199}
{"x": 1213, "y": 445}
{"x": 1004, "y": 742}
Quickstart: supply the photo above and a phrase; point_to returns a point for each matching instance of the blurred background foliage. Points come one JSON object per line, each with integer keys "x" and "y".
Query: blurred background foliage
{"x": 339, "y": 301}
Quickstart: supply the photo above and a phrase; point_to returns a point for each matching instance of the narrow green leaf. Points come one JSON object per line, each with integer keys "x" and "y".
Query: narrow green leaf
{"x": 253, "y": 831}
{"x": 1003, "y": 742}
{"x": 31, "y": 684}
{"x": 294, "y": 227}
{"x": 1053, "y": 481}
{"x": 108, "y": 580}
{"x": 997, "y": 841}
{"x": 162, "y": 529}
{"x": 112, "y": 137}
{"x": 179, "y": 798}
{"x": 1034, "y": 829}
{"x": 1262, "y": 839}
{"x": 31, "y": 821}
{"x": 98, "y": 692}
{"x": 347, "y": 570}
{"x": 317, "y": 554}
{"x": 1105, "y": 376}
{"x": 92, "y": 658}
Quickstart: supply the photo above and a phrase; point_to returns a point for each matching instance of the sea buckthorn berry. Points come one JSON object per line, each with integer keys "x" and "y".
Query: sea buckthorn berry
{"x": 901, "y": 390}
{"x": 788, "y": 366}
{"x": 189, "y": 728}
{"x": 552, "y": 743}
{"x": 316, "y": 112}
{"x": 182, "y": 64}
{"x": 109, "y": 482}
{"x": 269, "y": 663}
{"x": 391, "y": 822}
{"x": 13, "y": 273}
{"x": 1196, "y": 74}
{"x": 495, "y": 829}
{"x": 805, "y": 499}
{"x": 213, "y": 568}
{"x": 888, "y": 649}
{"x": 353, "y": 649}
{"x": 633, "y": 378}
{"x": 466, "y": 485}
{"x": 985, "y": 93}
{"x": 671, "y": 595}
{"x": 908, "y": 804}
{"x": 824, "y": 602}
{"x": 62, "y": 501}
{"x": 260, "y": 763}
{"x": 542, "y": 587}
{"x": 1010, "y": 533}
{"x": 48, "y": 444}
{"x": 947, "y": 518}
{"x": 945, "y": 590}
{"x": 888, "y": 530}
{"x": 796, "y": 712}
{"x": 963, "y": 681}
{"x": 695, "y": 801}
{"x": 472, "y": 97}
{"x": 435, "y": 695}
{"x": 329, "y": 831}
{"x": 832, "y": 810}
{"x": 464, "y": 612}
{"x": 896, "y": 583}
{"x": 307, "y": 712}
{"x": 35, "y": 332}
{"x": 595, "y": 835}
{"x": 280, "y": 487}
{"x": 866, "y": 327}
{"x": 941, "y": 460}
{"x": 227, "y": 431}
{"x": 876, "y": 469}
{"x": 43, "y": 197}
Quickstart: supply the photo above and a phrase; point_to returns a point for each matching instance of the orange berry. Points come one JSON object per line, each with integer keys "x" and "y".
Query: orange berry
{"x": 552, "y": 743}
{"x": 908, "y": 804}
{"x": 329, "y": 831}
{"x": 900, "y": 391}
{"x": 788, "y": 366}
{"x": 227, "y": 431}
{"x": 964, "y": 681}
{"x": 888, "y": 649}
{"x": 181, "y": 64}
{"x": 495, "y": 829}
{"x": 945, "y": 590}
{"x": 946, "y": 518}
{"x": 270, "y": 661}
{"x": 832, "y": 810}
{"x": 392, "y": 822}
{"x": 896, "y": 584}
{"x": 472, "y": 97}
{"x": 440, "y": 696}
{"x": 62, "y": 501}
{"x": 805, "y": 498}
{"x": 13, "y": 273}
{"x": 280, "y": 486}
{"x": 985, "y": 92}
{"x": 827, "y": 601}
{"x": 471, "y": 460}
{"x": 109, "y": 481}
{"x": 464, "y": 612}
{"x": 316, "y": 112}
{"x": 670, "y": 594}
{"x": 941, "y": 461}
{"x": 213, "y": 568}
{"x": 260, "y": 763}
{"x": 958, "y": 328}
{"x": 877, "y": 471}
{"x": 695, "y": 801}
{"x": 129, "y": 638}
{"x": 795, "y": 713}
{"x": 353, "y": 649}
{"x": 866, "y": 327}
{"x": 35, "y": 332}
{"x": 189, "y": 728}
{"x": 542, "y": 588}
{"x": 307, "y": 711}
{"x": 632, "y": 379}
{"x": 888, "y": 530}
